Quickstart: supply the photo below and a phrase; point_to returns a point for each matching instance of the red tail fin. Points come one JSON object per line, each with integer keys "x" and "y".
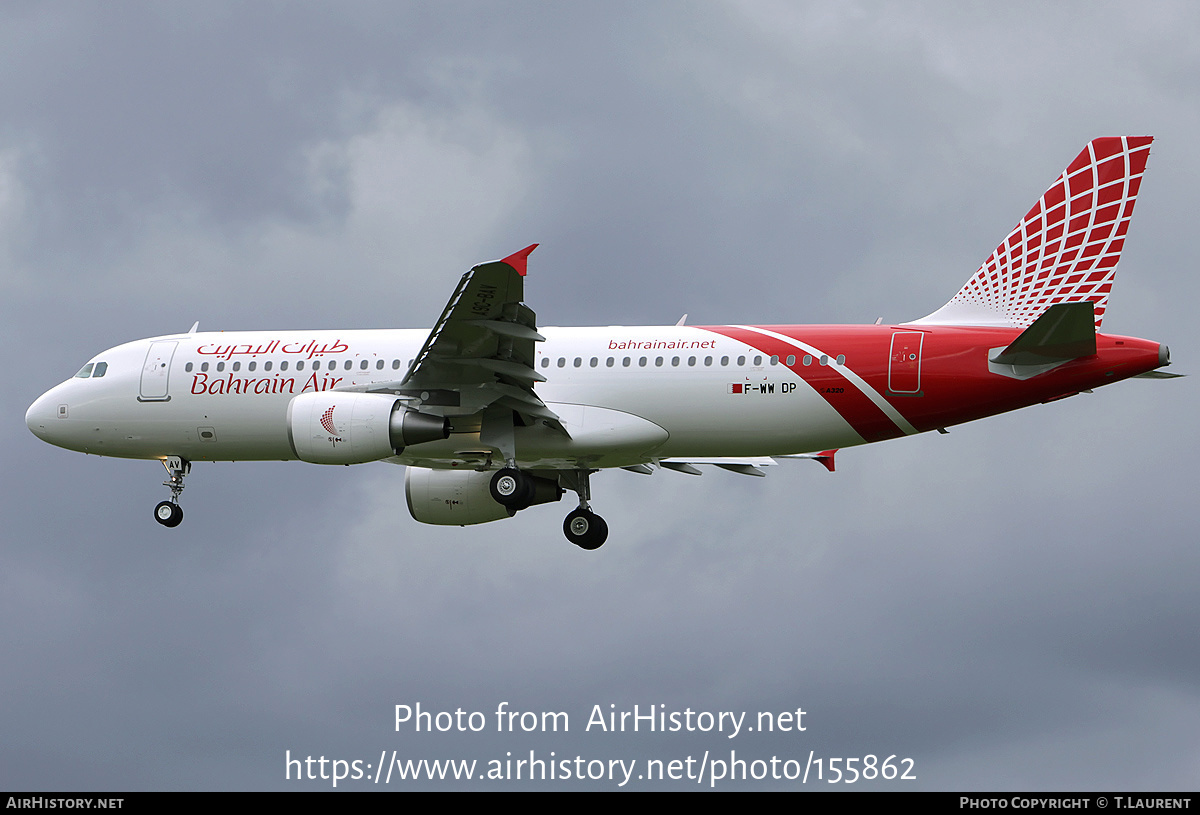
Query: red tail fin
{"x": 1065, "y": 249}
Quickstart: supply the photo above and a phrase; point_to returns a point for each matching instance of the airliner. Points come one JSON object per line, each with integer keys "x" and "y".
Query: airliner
{"x": 492, "y": 414}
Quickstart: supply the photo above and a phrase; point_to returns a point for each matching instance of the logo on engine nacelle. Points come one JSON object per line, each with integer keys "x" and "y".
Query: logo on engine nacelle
{"x": 327, "y": 423}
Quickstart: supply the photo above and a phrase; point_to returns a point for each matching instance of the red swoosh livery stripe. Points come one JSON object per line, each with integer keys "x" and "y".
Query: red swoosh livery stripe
{"x": 842, "y": 395}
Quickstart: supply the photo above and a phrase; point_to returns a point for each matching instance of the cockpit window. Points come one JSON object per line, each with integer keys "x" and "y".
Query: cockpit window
{"x": 100, "y": 370}
{"x": 84, "y": 372}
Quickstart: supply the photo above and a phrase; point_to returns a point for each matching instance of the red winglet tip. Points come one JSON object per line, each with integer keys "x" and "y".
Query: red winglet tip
{"x": 825, "y": 458}
{"x": 519, "y": 260}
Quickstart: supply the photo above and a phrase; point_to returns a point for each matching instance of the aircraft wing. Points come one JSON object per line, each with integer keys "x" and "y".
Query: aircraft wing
{"x": 480, "y": 353}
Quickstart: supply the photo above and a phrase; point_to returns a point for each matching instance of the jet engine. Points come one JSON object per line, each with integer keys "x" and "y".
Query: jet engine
{"x": 333, "y": 427}
{"x": 462, "y": 497}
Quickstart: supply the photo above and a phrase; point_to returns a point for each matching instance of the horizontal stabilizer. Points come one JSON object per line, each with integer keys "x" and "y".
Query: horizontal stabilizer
{"x": 1064, "y": 331}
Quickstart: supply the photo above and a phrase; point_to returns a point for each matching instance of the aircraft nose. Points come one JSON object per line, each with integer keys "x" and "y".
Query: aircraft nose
{"x": 39, "y": 416}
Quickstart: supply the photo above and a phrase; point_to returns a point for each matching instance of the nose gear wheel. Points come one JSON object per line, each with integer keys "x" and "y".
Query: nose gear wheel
{"x": 169, "y": 513}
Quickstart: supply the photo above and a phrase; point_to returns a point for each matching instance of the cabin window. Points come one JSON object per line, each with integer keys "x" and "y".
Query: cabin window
{"x": 237, "y": 366}
{"x": 578, "y": 362}
{"x": 841, "y": 359}
{"x": 395, "y": 364}
{"x": 707, "y": 362}
{"x": 724, "y": 361}
{"x": 774, "y": 359}
{"x": 545, "y": 362}
{"x": 562, "y": 362}
{"x": 283, "y": 365}
{"x": 642, "y": 362}
{"x": 808, "y": 359}
{"x": 220, "y": 366}
{"x": 594, "y": 362}
{"x": 204, "y": 366}
{"x": 741, "y": 361}
{"x": 349, "y": 364}
{"x": 250, "y": 366}
{"x": 332, "y": 364}
{"x": 609, "y": 362}
{"x": 187, "y": 368}
{"x": 625, "y": 362}
{"x": 267, "y": 365}
{"x": 379, "y": 365}
{"x": 824, "y": 359}
{"x": 658, "y": 361}
{"x": 791, "y": 360}
{"x": 758, "y": 360}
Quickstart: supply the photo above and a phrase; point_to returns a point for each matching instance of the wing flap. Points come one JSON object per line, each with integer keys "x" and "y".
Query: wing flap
{"x": 748, "y": 465}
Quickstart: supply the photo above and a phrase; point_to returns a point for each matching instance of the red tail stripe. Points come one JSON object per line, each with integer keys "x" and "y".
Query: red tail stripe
{"x": 851, "y": 403}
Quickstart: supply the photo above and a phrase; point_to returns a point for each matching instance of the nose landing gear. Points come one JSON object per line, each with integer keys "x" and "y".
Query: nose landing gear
{"x": 169, "y": 513}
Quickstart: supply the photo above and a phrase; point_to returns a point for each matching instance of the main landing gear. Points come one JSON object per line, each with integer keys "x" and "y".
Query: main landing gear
{"x": 517, "y": 490}
{"x": 584, "y": 528}
{"x": 512, "y": 488}
{"x": 169, "y": 513}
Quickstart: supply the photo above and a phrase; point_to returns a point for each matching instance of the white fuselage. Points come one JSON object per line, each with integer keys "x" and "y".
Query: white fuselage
{"x": 225, "y": 396}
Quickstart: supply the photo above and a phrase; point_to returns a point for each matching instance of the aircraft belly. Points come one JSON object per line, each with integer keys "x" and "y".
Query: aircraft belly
{"x": 596, "y": 433}
{"x": 183, "y": 427}
{"x": 255, "y": 431}
{"x": 712, "y": 418}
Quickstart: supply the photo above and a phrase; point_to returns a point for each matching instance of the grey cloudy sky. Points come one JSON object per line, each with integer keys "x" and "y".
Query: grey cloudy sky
{"x": 1012, "y": 605}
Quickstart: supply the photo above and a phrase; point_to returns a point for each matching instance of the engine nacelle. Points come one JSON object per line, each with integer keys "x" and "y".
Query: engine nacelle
{"x": 451, "y": 497}
{"x": 333, "y": 427}
{"x": 462, "y": 497}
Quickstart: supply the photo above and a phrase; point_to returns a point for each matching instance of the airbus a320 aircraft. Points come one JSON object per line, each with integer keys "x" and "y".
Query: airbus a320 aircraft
{"x": 493, "y": 414}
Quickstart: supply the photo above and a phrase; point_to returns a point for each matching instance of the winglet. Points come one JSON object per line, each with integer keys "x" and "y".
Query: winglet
{"x": 518, "y": 260}
{"x": 825, "y": 458}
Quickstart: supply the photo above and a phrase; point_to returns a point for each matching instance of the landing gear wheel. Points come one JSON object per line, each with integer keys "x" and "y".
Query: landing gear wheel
{"x": 511, "y": 488}
{"x": 168, "y": 514}
{"x": 585, "y": 529}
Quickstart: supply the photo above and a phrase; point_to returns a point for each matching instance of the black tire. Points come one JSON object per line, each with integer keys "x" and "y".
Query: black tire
{"x": 585, "y": 529}
{"x": 511, "y": 488}
{"x": 168, "y": 513}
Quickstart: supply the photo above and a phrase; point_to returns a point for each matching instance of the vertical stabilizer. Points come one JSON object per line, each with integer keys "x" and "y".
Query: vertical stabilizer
{"x": 1065, "y": 249}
